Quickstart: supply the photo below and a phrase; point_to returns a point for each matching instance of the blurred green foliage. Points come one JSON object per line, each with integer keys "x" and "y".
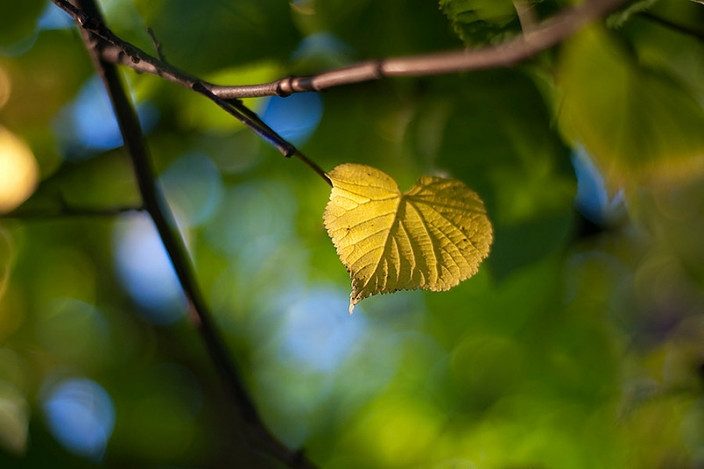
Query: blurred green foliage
{"x": 630, "y": 118}
{"x": 579, "y": 344}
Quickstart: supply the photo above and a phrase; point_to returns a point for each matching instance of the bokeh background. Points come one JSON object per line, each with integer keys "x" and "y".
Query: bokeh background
{"x": 579, "y": 344}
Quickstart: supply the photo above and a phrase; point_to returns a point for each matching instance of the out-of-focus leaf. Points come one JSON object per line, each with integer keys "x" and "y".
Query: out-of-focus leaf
{"x": 639, "y": 127}
{"x": 375, "y": 111}
{"x": 212, "y": 34}
{"x": 619, "y": 17}
{"x": 433, "y": 236}
{"x": 494, "y": 133}
{"x": 661, "y": 47}
{"x": 391, "y": 27}
{"x": 688, "y": 15}
{"x": 375, "y": 441}
{"x": 18, "y": 19}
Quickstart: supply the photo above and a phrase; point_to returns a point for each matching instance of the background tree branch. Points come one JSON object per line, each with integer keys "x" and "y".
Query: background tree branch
{"x": 158, "y": 210}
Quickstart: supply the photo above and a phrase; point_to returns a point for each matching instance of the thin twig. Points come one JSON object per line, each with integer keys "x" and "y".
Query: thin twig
{"x": 164, "y": 222}
{"x": 313, "y": 166}
{"x": 156, "y": 44}
{"x": 542, "y": 37}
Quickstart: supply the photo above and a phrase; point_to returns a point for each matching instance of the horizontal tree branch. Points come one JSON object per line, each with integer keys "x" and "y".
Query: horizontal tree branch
{"x": 542, "y": 37}
{"x": 538, "y": 39}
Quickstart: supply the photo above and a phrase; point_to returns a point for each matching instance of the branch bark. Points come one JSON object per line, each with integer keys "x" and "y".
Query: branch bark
{"x": 157, "y": 209}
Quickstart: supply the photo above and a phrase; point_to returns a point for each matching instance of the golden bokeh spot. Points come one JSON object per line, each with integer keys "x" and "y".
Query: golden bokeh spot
{"x": 18, "y": 171}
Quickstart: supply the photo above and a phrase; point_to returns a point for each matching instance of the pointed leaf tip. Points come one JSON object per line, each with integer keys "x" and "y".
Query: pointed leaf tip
{"x": 431, "y": 237}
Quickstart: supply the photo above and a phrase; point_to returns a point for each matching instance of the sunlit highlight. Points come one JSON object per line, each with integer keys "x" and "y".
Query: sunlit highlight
{"x": 18, "y": 171}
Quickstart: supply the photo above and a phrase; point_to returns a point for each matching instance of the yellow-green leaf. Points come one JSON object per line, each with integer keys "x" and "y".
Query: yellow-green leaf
{"x": 432, "y": 237}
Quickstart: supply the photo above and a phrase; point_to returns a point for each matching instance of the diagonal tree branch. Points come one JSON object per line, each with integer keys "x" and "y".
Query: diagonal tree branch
{"x": 157, "y": 209}
{"x": 540, "y": 38}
